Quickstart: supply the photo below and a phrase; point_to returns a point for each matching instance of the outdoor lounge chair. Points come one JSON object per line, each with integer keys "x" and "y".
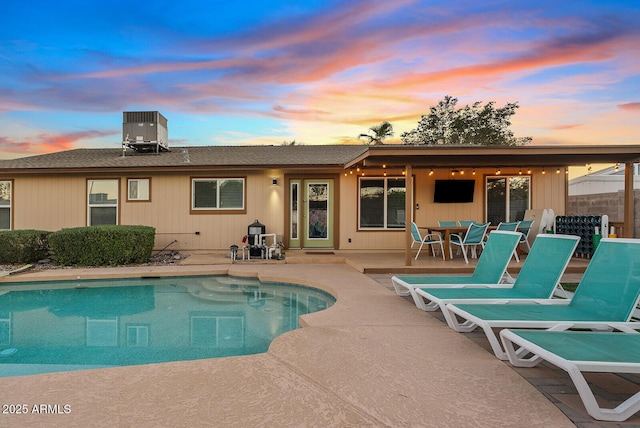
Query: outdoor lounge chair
{"x": 608, "y": 293}
{"x": 490, "y": 269}
{"x": 582, "y": 351}
{"x": 428, "y": 239}
{"x": 538, "y": 278}
{"x": 473, "y": 237}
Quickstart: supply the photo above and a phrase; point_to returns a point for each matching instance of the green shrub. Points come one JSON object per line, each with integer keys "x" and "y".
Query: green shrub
{"x": 23, "y": 246}
{"x": 102, "y": 245}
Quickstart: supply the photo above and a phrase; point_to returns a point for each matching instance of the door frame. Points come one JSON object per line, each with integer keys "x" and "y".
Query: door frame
{"x": 334, "y": 208}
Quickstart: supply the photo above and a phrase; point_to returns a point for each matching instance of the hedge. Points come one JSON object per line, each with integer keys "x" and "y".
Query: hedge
{"x": 102, "y": 245}
{"x": 23, "y": 246}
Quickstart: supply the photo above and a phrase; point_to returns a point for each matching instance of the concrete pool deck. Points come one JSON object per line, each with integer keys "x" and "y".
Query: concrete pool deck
{"x": 372, "y": 359}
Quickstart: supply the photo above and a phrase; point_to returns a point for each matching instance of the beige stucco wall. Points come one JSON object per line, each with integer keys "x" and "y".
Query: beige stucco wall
{"x": 54, "y": 202}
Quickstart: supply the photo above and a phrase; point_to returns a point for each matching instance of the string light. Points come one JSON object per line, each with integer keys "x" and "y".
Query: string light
{"x": 558, "y": 171}
{"x": 543, "y": 171}
{"x": 474, "y": 171}
{"x": 431, "y": 172}
{"x": 520, "y": 172}
{"x": 617, "y": 168}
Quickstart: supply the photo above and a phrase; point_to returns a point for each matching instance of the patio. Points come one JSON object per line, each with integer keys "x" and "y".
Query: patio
{"x": 373, "y": 359}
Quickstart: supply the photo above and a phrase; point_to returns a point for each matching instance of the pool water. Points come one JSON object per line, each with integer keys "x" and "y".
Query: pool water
{"x": 74, "y": 325}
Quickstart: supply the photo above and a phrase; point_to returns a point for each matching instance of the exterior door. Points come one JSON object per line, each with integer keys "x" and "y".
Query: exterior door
{"x": 311, "y": 213}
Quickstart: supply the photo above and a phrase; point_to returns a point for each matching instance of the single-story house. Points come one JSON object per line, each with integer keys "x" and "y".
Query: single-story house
{"x": 348, "y": 197}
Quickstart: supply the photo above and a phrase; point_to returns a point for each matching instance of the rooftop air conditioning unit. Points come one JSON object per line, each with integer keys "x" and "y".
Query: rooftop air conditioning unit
{"x": 145, "y": 131}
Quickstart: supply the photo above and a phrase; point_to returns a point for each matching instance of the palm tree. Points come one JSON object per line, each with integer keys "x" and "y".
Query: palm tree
{"x": 380, "y": 132}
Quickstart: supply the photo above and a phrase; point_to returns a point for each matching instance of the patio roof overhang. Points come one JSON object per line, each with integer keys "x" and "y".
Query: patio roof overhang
{"x": 417, "y": 157}
{"x": 493, "y": 156}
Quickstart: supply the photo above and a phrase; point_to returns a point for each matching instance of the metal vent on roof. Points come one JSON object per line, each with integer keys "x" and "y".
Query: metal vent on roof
{"x": 144, "y": 132}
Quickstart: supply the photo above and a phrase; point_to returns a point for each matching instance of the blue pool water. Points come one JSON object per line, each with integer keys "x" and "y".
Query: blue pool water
{"x": 74, "y": 325}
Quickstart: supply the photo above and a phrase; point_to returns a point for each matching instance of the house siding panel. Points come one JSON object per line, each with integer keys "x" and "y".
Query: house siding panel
{"x": 49, "y": 203}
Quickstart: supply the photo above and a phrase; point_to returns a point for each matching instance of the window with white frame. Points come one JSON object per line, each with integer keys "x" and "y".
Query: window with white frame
{"x": 5, "y": 204}
{"x": 138, "y": 189}
{"x": 102, "y": 196}
{"x": 508, "y": 197}
{"x": 138, "y": 335}
{"x": 217, "y": 194}
{"x": 382, "y": 202}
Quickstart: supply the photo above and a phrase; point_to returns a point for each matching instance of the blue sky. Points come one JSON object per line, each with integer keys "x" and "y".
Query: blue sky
{"x": 317, "y": 72}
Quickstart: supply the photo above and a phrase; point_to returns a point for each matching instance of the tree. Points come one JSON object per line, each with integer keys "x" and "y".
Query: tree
{"x": 380, "y": 132}
{"x": 472, "y": 125}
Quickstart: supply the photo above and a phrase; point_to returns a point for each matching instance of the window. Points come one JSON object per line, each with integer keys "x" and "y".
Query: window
{"x": 295, "y": 213}
{"x": 138, "y": 335}
{"x": 138, "y": 189}
{"x": 507, "y": 198}
{"x": 5, "y": 204}
{"x": 103, "y": 202}
{"x": 209, "y": 194}
{"x": 381, "y": 204}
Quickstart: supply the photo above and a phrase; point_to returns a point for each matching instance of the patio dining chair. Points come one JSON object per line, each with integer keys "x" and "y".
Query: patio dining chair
{"x": 465, "y": 223}
{"x": 582, "y": 351}
{"x": 525, "y": 228}
{"x": 447, "y": 223}
{"x": 430, "y": 239}
{"x": 473, "y": 238}
{"x": 510, "y": 226}
{"x": 607, "y": 293}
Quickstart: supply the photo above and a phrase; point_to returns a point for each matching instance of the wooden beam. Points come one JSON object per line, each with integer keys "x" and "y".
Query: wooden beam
{"x": 629, "y": 212}
{"x": 408, "y": 213}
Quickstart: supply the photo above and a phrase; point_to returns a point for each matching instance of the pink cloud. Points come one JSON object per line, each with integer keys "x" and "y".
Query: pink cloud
{"x": 565, "y": 127}
{"x": 48, "y": 143}
{"x": 630, "y": 106}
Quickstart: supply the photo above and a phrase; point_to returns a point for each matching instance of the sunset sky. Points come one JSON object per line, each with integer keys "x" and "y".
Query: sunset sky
{"x": 314, "y": 71}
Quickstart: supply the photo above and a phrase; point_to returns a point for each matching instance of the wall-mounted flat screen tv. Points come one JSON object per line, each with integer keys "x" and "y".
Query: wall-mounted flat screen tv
{"x": 453, "y": 191}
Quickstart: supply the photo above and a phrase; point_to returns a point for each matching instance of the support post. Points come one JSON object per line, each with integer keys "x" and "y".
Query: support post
{"x": 408, "y": 214}
{"x": 629, "y": 203}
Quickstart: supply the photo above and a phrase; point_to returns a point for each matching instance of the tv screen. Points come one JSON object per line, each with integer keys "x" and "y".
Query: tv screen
{"x": 453, "y": 191}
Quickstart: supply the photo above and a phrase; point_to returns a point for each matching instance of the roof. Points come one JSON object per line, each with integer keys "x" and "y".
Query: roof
{"x": 188, "y": 158}
{"x": 320, "y": 156}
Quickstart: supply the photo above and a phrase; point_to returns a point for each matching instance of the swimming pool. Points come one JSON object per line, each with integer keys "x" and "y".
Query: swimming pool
{"x": 75, "y": 325}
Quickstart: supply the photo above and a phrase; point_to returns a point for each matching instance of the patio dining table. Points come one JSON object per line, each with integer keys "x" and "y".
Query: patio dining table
{"x": 446, "y": 232}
